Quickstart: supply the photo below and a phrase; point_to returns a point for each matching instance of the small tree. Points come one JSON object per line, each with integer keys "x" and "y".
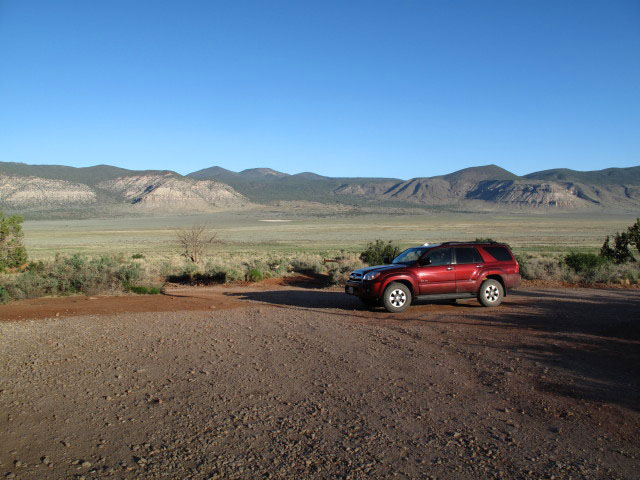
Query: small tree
{"x": 634, "y": 234}
{"x": 620, "y": 252}
{"x": 606, "y": 251}
{"x": 12, "y": 251}
{"x": 193, "y": 241}
{"x": 377, "y": 251}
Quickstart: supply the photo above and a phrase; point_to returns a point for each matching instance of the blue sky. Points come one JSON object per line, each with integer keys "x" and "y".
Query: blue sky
{"x": 359, "y": 88}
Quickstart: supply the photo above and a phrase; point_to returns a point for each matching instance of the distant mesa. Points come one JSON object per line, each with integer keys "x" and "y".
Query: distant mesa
{"x": 262, "y": 172}
{"x": 103, "y": 189}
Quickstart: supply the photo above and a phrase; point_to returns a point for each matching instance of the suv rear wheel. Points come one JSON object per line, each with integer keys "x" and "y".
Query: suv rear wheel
{"x": 491, "y": 293}
{"x": 396, "y": 297}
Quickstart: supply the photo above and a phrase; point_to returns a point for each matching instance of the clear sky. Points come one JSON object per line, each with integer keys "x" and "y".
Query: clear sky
{"x": 400, "y": 88}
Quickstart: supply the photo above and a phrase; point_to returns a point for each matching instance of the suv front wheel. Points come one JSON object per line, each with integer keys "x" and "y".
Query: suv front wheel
{"x": 491, "y": 293}
{"x": 396, "y": 297}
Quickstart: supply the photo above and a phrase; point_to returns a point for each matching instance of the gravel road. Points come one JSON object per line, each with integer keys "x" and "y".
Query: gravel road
{"x": 298, "y": 383}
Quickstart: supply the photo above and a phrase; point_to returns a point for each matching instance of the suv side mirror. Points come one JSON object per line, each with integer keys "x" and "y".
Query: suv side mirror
{"x": 424, "y": 261}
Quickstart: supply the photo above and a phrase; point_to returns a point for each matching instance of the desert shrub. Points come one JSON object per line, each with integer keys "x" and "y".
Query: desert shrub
{"x": 277, "y": 267}
{"x": 584, "y": 262}
{"x": 190, "y": 276}
{"x": 485, "y": 240}
{"x": 254, "y": 275}
{"x": 535, "y": 267}
{"x": 233, "y": 275}
{"x": 632, "y": 276}
{"x": 12, "y": 251}
{"x": 137, "y": 256}
{"x": 377, "y": 251}
{"x": 144, "y": 290}
{"x": 307, "y": 264}
{"x": 339, "y": 274}
{"x": 258, "y": 265}
{"x": 523, "y": 262}
{"x": 31, "y": 285}
{"x": 5, "y": 296}
{"x": 68, "y": 275}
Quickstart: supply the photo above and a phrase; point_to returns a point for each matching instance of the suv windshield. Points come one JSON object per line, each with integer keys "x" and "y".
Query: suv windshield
{"x": 410, "y": 255}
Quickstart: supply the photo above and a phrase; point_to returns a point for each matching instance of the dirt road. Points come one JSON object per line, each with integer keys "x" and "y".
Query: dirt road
{"x": 278, "y": 381}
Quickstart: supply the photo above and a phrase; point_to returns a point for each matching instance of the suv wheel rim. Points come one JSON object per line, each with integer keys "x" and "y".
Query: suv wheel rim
{"x": 397, "y": 298}
{"x": 492, "y": 293}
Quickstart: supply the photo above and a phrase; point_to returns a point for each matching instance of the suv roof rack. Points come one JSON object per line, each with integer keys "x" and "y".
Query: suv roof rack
{"x": 475, "y": 242}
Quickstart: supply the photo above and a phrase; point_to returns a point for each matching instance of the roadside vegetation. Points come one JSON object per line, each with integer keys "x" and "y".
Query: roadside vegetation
{"x": 616, "y": 263}
{"x": 198, "y": 263}
{"x": 111, "y": 274}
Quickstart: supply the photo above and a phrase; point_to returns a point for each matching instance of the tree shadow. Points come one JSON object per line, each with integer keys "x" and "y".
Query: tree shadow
{"x": 590, "y": 337}
{"x": 311, "y": 298}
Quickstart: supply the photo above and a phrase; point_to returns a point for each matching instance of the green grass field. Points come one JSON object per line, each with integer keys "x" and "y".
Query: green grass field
{"x": 278, "y": 230}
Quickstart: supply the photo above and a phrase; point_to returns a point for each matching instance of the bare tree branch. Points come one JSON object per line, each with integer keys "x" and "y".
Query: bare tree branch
{"x": 193, "y": 241}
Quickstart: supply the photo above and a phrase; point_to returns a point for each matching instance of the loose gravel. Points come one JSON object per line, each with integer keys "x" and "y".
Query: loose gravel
{"x": 300, "y": 383}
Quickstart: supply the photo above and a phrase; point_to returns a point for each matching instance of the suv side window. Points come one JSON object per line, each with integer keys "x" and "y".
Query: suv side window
{"x": 467, "y": 255}
{"x": 439, "y": 256}
{"x": 499, "y": 253}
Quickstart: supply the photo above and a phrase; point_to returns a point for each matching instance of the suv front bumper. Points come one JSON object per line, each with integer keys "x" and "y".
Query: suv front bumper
{"x": 362, "y": 289}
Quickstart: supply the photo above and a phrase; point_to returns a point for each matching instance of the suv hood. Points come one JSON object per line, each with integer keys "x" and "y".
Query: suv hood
{"x": 378, "y": 268}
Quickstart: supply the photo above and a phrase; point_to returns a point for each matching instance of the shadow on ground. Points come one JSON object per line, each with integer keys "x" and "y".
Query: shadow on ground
{"x": 592, "y": 336}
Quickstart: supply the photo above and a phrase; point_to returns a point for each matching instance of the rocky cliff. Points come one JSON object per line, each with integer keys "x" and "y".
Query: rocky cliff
{"x": 35, "y": 193}
{"x": 439, "y": 191}
{"x": 154, "y": 192}
{"x": 168, "y": 192}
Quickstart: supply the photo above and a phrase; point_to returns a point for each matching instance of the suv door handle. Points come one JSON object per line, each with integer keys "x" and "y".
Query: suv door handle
{"x": 479, "y": 266}
{"x": 449, "y": 268}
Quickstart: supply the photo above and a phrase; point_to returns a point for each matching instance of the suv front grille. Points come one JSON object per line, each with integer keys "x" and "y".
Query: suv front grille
{"x": 355, "y": 277}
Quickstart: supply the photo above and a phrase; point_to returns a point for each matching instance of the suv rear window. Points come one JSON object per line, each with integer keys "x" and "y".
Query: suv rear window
{"x": 467, "y": 255}
{"x": 499, "y": 253}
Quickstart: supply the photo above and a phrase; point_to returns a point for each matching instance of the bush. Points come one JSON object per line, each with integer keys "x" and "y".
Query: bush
{"x": 13, "y": 254}
{"x": 137, "y": 256}
{"x": 254, "y": 275}
{"x": 584, "y": 262}
{"x": 534, "y": 267}
{"x": 634, "y": 234}
{"x": 144, "y": 290}
{"x": 307, "y": 265}
{"x": 4, "y": 295}
{"x": 377, "y": 251}
{"x": 69, "y": 275}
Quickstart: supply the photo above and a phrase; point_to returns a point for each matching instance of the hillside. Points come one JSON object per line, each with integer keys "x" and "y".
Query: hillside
{"x": 608, "y": 176}
{"x": 493, "y": 186}
{"x": 264, "y": 185}
{"x": 101, "y": 189}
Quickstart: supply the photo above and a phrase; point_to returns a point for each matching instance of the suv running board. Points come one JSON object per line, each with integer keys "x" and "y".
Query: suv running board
{"x": 446, "y": 296}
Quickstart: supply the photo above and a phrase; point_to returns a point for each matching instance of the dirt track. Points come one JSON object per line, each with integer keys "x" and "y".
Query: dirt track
{"x": 287, "y": 382}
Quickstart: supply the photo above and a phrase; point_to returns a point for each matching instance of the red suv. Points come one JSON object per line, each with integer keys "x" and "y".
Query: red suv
{"x": 450, "y": 270}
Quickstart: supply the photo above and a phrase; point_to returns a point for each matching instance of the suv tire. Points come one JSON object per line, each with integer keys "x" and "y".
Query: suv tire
{"x": 491, "y": 293}
{"x": 396, "y": 297}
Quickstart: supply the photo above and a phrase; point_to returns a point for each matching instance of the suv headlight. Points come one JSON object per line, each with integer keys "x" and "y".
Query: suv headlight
{"x": 371, "y": 276}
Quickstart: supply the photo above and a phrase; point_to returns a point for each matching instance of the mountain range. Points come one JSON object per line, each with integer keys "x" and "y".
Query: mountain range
{"x": 101, "y": 189}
